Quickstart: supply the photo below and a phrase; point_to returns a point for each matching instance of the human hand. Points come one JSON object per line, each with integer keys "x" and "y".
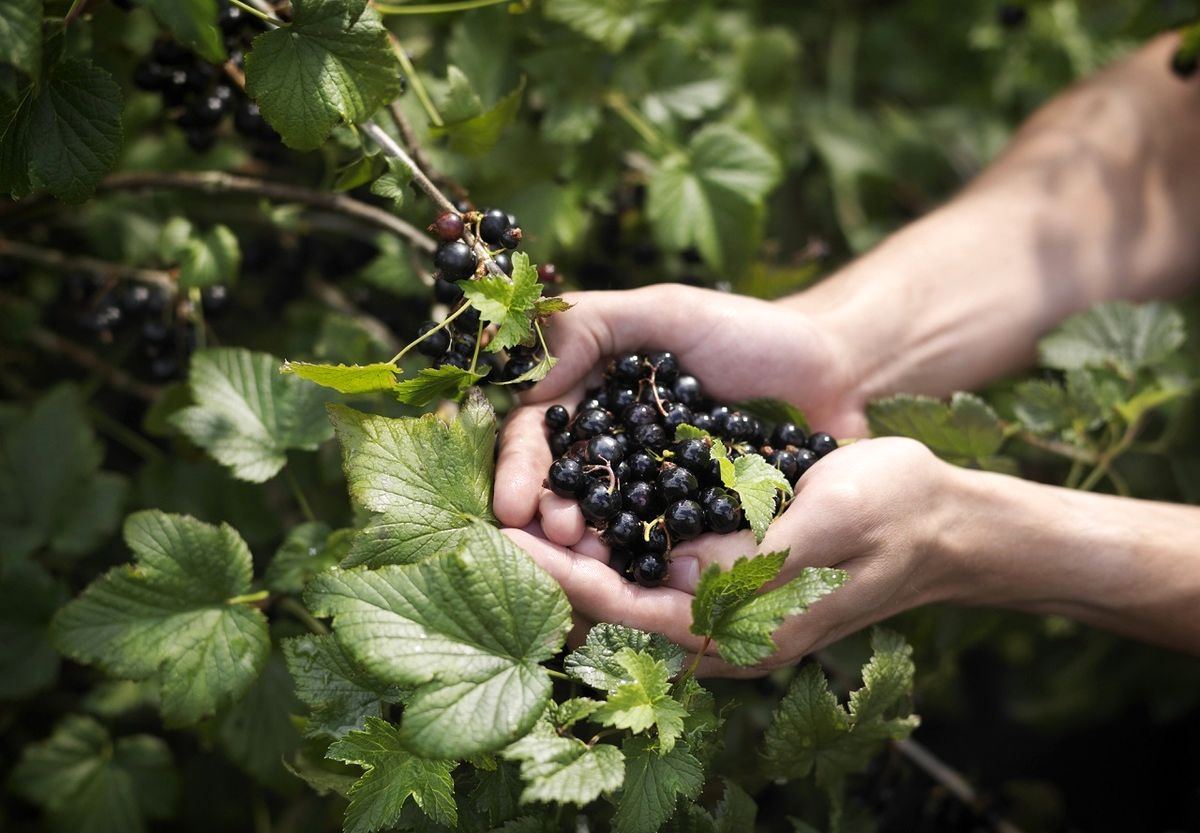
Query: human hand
{"x": 876, "y": 509}
{"x": 739, "y": 348}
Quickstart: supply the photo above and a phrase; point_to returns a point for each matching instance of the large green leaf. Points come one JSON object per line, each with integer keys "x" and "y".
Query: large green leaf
{"x": 193, "y": 23}
{"x": 247, "y": 415}
{"x": 431, "y": 481}
{"x": 29, "y": 596}
{"x": 595, "y": 662}
{"x": 465, "y": 631}
{"x": 340, "y": 695}
{"x": 654, "y": 783}
{"x": 331, "y": 64}
{"x": 89, "y": 783}
{"x": 965, "y": 430}
{"x": 52, "y": 493}
{"x": 21, "y": 36}
{"x": 393, "y": 776}
{"x": 63, "y": 134}
{"x": 174, "y": 615}
{"x": 477, "y": 134}
{"x": 510, "y": 304}
{"x": 642, "y": 700}
{"x": 565, "y": 770}
{"x": 1128, "y": 337}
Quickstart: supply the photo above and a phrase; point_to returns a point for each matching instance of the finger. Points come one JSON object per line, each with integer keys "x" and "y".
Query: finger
{"x": 521, "y": 467}
{"x": 599, "y": 593}
{"x": 709, "y": 549}
{"x": 684, "y": 573}
{"x": 711, "y": 666}
{"x": 561, "y": 519}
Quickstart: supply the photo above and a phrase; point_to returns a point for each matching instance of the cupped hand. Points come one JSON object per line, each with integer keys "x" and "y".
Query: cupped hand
{"x": 876, "y": 509}
{"x": 738, "y": 347}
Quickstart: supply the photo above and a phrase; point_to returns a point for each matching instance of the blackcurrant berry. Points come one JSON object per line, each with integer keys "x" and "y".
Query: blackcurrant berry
{"x": 708, "y": 493}
{"x": 638, "y": 497}
{"x": 676, "y": 415}
{"x": 492, "y": 226}
{"x": 652, "y": 437}
{"x": 1012, "y": 15}
{"x": 557, "y": 417}
{"x": 723, "y": 513}
{"x": 515, "y": 368}
{"x": 510, "y": 238}
{"x": 448, "y": 226}
{"x": 693, "y": 455}
{"x": 565, "y": 477}
{"x": 231, "y": 19}
{"x": 805, "y": 460}
{"x": 446, "y": 292}
{"x": 150, "y": 76}
{"x": 200, "y": 139}
{"x": 666, "y": 367}
{"x": 703, "y": 421}
{"x": 788, "y": 433}
{"x": 737, "y": 426}
{"x": 434, "y": 345}
{"x": 626, "y": 368}
{"x": 686, "y": 390}
{"x": 164, "y": 368}
{"x": 821, "y": 443}
{"x": 624, "y": 530}
{"x": 591, "y": 423}
{"x": 214, "y": 300}
{"x": 685, "y": 519}
{"x": 642, "y": 465}
{"x": 597, "y": 503}
{"x": 649, "y": 569}
{"x": 621, "y": 398}
{"x": 560, "y": 442}
{"x": 504, "y": 262}
{"x": 203, "y": 112}
{"x": 620, "y": 560}
{"x": 639, "y": 414}
{"x": 170, "y": 53}
{"x": 786, "y": 462}
{"x": 455, "y": 260}
{"x": 604, "y": 449}
{"x": 676, "y": 483}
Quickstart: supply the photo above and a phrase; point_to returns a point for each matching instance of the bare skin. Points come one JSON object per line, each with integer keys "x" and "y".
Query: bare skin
{"x": 1097, "y": 198}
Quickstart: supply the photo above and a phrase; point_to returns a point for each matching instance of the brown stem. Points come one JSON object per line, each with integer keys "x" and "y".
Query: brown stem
{"x": 409, "y": 136}
{"x": 219, "y": 182}
{"x": 116, "y": 377}
{"x": 57, "y": 260}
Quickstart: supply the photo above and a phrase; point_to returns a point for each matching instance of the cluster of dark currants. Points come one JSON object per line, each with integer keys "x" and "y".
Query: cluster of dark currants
{"x": 104, "y": 309}
{"x": 618, "y": 457}
{"x": 198, "y": 95}
{"x": 455, "y": 260}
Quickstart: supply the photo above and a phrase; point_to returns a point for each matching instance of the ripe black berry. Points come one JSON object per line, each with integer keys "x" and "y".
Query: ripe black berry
{"x": 510, "y": 238}
{"x": 597, "y": 503}
{"x": 676, "y": 415}
{"x": 649, "y": 569}
{"x": 604, "y": 449}
{"x": 676, "y": 483}
{"x": 821, "y": 443}
{"x": 565, "y": 477}
{"x": 624, "y": 530}
{"x": 637, "y": 414}
{"x": 642, "y": 465}
{"x": 788, "y": 433}
{"x": 434, "y": 345}
{"x": 723, "y": 513}
{"x": 448, "y": 226}
{"x": 548, "y": 273}
{"x": 446, "y": 292}
{"x": 638, "y": 497}
{"x": 685, "y": 519}
{"x": 455, "y": 260}
{"x": 557, "y": 417}
{"x": 492, "y": 226}
{"x": 686, "y": 390}
{"x": 805, "y": 460}
{"x": 703, "y": 421}
{"x": 666, "y": 367}
{"x": 785, "y": 461}
{"x": 652, "y": 437}
{"x": 626, "y": 368}
{"x": 560, "y": 443}
{"x": 621, "y": 398}
{"x": 590, "y": 423}
{"x": 1012, "y": 15}
{"x": 693, "y": 455}
{"x": 620, "y": 560}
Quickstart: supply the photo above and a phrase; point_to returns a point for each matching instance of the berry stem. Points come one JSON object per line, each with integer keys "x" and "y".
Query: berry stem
{"x": 414, "y": 78}
{"x": 478, "y": 339}
{"x": 420, "y": 338}
{"x": 261, "y": 15}
{"x": 620, "y": 105}
{"x": 409, "y": 136}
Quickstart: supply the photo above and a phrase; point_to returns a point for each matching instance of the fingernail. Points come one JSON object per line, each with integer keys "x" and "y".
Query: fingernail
{"x": 685, "y": 573}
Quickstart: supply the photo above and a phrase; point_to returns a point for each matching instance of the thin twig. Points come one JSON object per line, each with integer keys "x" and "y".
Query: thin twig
{"x": 435, "y": 118}
{"x": 116, "y": 377}
{"x": 408, "y": 135}
{"x": 951, "y": 779}
{"x": 335, "y": 299}
{"x": 219, "y": 182}
{"x": 1110, "y": 455}
{"x": 57, "y": 260}
{"x": 1071, "y": 452}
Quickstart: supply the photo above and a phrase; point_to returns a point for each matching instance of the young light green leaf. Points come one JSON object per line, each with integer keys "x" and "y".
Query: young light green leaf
{"x": 52, "y": 493}
{"x": 173, "y": 614}
{"x": 247, "y": 415}
{"x": 508, "y": 303}
{"x": 393, "y": 183}
{"x": 257, "y": 732}
{"x": 211, "y": 258}
{"x": 476, "y": 681}
{"x": 193, "y": 23}
{"x": 431, "y": 481}
{"x": 810, "y": 732}
{"x": 744, "y": 628}
{"x": 566, "y": 714}
{"x": 87, "y": 782}
{"x": 29, "y": 596}
{"x": 594, "y": 663}
{"x": 654, "y": 783}
{"x": 63, "y": 134}
{"x": 610, "y": 22}
{"x": 711, "y": 195}
{"x": 1125, "y": 336}
{"x": 565, "y": 770}
{"x": 434, "y": 383}
{"x": 308, "y": 549}
{"x": 757, "y": 483}
{"x": 347, "y": 378}
{"x": 331, "y": 64}
{"x": 393, "y": 776}
{"x": 339, "y": 694}
{"x": 965, "y": 430}
{"x": 476, "y": 135}
{"x": 460, "y": 101}
{"x": 689, "y": 432}
{"x": 643, "y": 699}
{"x": 719, "y": 590}
{"x": 536, "y": 373}
{"x": 21, "y": 36}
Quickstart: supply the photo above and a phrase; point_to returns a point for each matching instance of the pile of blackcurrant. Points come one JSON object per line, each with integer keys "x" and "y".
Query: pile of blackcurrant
{"x": 619, "y": 458}
{"x": 198, "y": 95}
{"x": 454, "y": 260}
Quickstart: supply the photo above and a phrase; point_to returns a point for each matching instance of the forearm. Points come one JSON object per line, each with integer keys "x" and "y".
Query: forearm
{"x": 1097, "y": 198}
{"x": 1130, "y": 566}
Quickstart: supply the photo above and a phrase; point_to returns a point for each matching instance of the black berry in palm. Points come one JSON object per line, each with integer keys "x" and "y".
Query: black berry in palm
{"x": 624, "y": 530}
{"x": 788, "y": 433}
{"x": 455, "y": 260}
{"x": 723, "y": 513}
{"x": 565, "y": 477}
{"x": 557, "y": 417}
{"x": 821, "y": 443}
{"x": 675, "y": 483}
{"x": 604, "y": 449}
{"x": 510, "y": 238}
{"x": 598, "y": 503}
{"x": 446, "y": 292}
{"x": 685, "y": 519}
{"x": 692, "y": 454}
{"x": 649, "y": 569}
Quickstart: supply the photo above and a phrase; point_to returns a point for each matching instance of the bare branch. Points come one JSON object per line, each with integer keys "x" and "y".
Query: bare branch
{"x": 951, "y": 779}
{"x": 57, "y": 260}
{"x": 409, "y": 136}
{"x": 114, "y": 376}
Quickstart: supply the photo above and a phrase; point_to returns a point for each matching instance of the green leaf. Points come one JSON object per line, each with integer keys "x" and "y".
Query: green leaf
{"x": 29, "y": 596}
{"x": 63, "y": 135}
{"x": 610, "y": 22}
{"x": 773, "y": 411}
{"x": 331, "y": 64}
{"x": 643, "y": 699}
{"x": 393, "y": 776}
{"x": 171, "y": 615}
{"x": 565, "y": 770}
{"x": 742, "y": 621}
{"x": 21, "y": 36}
{"x": 52, "y": 493}
{"x": 1128, "y": 337}
{"x": 459, "y": 102}
{"x": 339, "y": 694}
{"x": 508, "y": 303}
{"x": 736, "y": 811}
{"x": 757, "y": 483}
{"x": 309, "y": 548}
{"x": 193, "y": 23}
{"x": 476, "y": 682}
{"x": 965, "y": 430}
{"x": 566, "y": 714}
{"x": 476, "y": 135}
{"x": 536, "y": 373}
{"x": 810, "y": 732}
{"x": 247, "y": 415}
{"x": 654, "y": 783}
{"x": 711, "y": 195}
{"x": 211, "y": 258}
{"x": 393, "y": 183}
{"x": 595, "y": 663}
{"x": 257, "y": 732}
{"x": 347, "y": 378}
{"x": 1042, "y": 407}
{"x": 431, "y": 481}
{"x": 434, "y": 383}
{"x": 89, "y": 783}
